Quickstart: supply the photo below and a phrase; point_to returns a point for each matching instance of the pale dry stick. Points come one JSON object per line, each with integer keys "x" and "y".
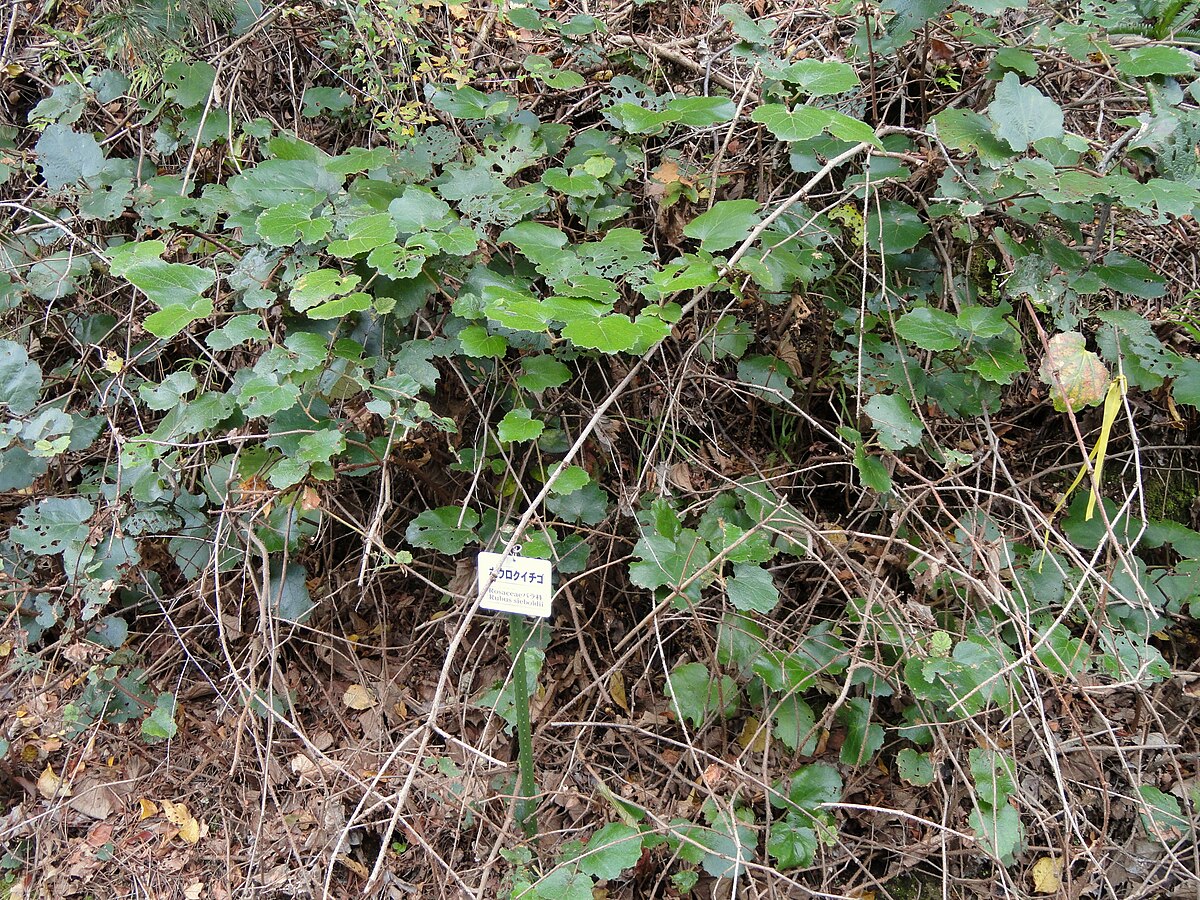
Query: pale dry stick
{"x": 665, "y": 52}
{"x": 535, "y": 504}
{"x": 716, "y": 164}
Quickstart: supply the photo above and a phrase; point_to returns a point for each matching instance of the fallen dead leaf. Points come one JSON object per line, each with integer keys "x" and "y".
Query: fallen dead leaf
{"x": 51, "y": 786}
{"x": 753, "y": 736}
{"x": 616, "y": 689}
{"x": 194, "y": 891}
{"x": 1047, "y": 875}
{"x": 147, "y": 808}
{"x": 359, "y": 697}
{"x": 177, "y": 814}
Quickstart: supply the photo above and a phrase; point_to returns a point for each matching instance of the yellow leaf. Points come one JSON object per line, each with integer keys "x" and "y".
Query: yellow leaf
{"x": 616, "y": 689}
{"x": 51, "y": 786}
{"x": 753, "y": 736}
{"x": 190, "y": 831}
{"x": 1047, "y": 875}
{"x": 360, "y": 697}
{"x": 147, "y": 809}
{"x": 113, "y": 363}
{"x": 177, "y": 814}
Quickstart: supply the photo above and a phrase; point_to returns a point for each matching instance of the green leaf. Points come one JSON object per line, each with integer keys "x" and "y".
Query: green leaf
{"x": 519, "y": 425}
{"x": 169, "y": 393}
{"x": 794, "y": 723}
{"x": 695, "y": 694}
{"x": 819, "y": 77}
{"x": 914, "y": 767}
{"x": 169, "y": 321}
{"x": 767, "y": 377}
{"x": 324, "y": 99}
{"x": 668, "y": 561}
{"x": 894, "y": 420}
{"x": 189, "y": 84}
{"x": 1021, "y": 114}
{"x": 930, "y": 329}
{"x": 754, "y": 31}
{"x": 1146, "y": 62}
{"x": 364, "y": 235}
{"x": 700, "y": 112}
{"x": 1000, "y": 831}
{"x": 982, "y": 321}
{"x": 613, "y": 849}
{"x": 318, "y": 286}
{"x": 809, "y": 787}
{"x": 20, "y": 379}
{"x": 419, "y": 209}
{"x": 572, "y": 479}
{"x": 800, "y": 124}
{"x": 893, "y": 227}
{"x": 66, "y": 156}
{"x": 588, "y": 506}
{"x": 863, "y": 739}
{"x": 872, "y": 473}
{"x": 263, "y": 395}
{"x": 446, "y": 529}
{"x": 288, "y": 584}
{"x": 340, "y": 307}
{"x": 994, "y": 776}
{"x": 542, "y": 372}
{"x": 1163, "y": 819}
{"x": 52, "y": 525}
{"x": 752, "y": 588}
{"x": 726, "y": 224}
{"x": 609, "y": 334}
{"x": 476, "y": 342}
{"x": 1127, "y": 275}
{"x": 166, "y": 284}
{"x": 792, "y": 842}
{"x": 283, "y": 225}
{"x": 160, "y": 724}
{"x": 1076, "y": 376}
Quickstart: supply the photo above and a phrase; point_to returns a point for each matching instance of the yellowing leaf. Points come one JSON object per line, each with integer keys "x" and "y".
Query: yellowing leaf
{"x": 753, "y": 736}
{"x": 1075, "y": 375}
{"x": 616, "y": 689}
{"x": 1047, "y": 875}
{"x": 177, "y": 814}
{"x": 51, "y": 786}
{"x": 113, "y": 363}
{"x": 359, "y": 697}
{"x": 147, "y": 808}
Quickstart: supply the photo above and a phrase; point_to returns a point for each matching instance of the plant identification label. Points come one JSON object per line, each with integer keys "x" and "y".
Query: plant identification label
{"x": 521, "y": 585}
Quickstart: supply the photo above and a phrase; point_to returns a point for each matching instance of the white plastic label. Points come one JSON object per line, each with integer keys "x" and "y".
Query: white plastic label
{"x": 521, "y": 585}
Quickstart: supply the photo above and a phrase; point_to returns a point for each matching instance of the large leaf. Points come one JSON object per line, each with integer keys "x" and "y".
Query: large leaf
{"x": 929, "y": 329}
{"x": 723, "y": 226}
{"x": 1021, "y": 114}
{"x": 893, "y": 418}
{"x": 67, "y": 156}
{"x": 613, "y": 849}
{"x": 446, "y": 529}
{"x": 20, "y": 379}
{"x": 164, "y": 283}
{"x": 1075, "y": 375}
{"x": 696, "y": 694}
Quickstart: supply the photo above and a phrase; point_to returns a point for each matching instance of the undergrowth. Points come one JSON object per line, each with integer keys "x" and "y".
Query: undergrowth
{"x": 837, "y": 359}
